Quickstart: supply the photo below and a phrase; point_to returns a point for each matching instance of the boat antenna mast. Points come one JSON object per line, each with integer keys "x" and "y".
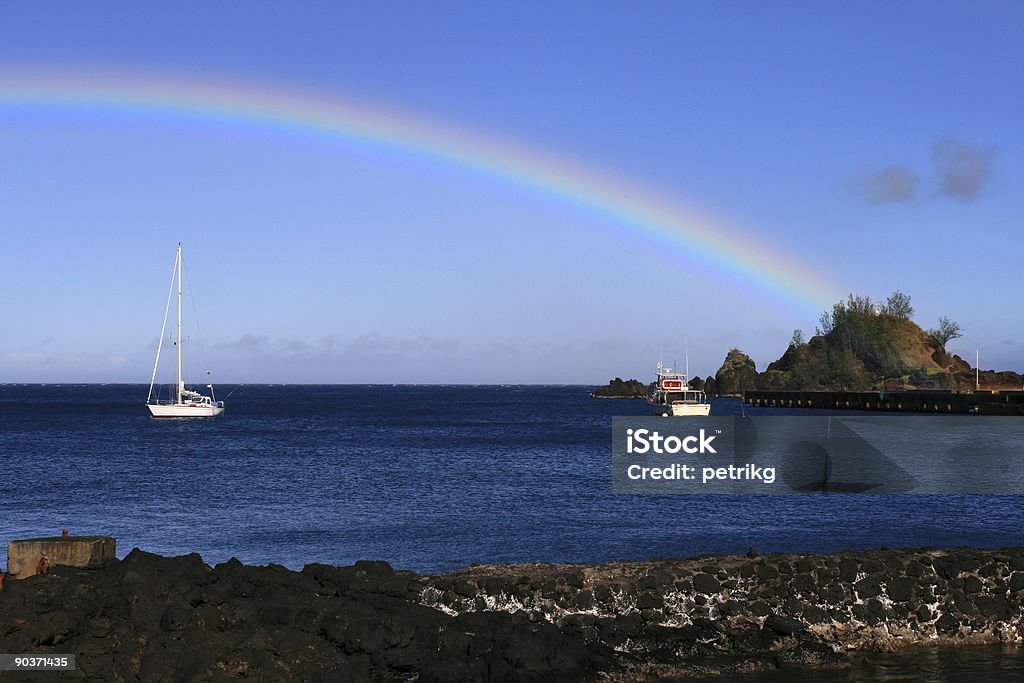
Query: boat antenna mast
{"x": 686, "y": 359}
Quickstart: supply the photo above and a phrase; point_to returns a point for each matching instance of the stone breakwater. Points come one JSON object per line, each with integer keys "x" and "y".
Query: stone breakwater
{"x": 152, "y": 618}
{"x": 722, "y": 614}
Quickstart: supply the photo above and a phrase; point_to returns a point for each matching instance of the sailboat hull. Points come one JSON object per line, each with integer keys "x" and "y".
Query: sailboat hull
{"x": 184, "y": 410}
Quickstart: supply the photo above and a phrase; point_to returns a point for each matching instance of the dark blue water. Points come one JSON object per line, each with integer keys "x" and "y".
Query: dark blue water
{"x": 428, "y": 478}
{"x": 970, "y": 664}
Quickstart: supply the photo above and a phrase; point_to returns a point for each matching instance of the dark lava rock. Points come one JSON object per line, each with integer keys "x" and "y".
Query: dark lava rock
{"x": 868, "y": 587}
{"x": 746, "y": 638}
{"x": 152, "y": 618}
{"x": 584, "y": 600}
{"x": 707, "y": 629}
{"x": 948, "y": 566}
{"x": 815, "y": 615}
{"x": 804, "y": 583}
{"x": 774, "y": 590}
{"x": 705, "y": 583}
{"x": 760, "y": 608}
{"x": 948, "y": 624}
{"x": 783, "y": 625}
{"x": 731, "y": 608}
{"x": 652, "y": 615}
{"x": 874, "y": 612}
{"x": 647, "y": 582}
{"x": 813, "y": 654}
{"x": 793, "y": 607}
{"x": 972, "y": 584}
{"x": 493, "y": 585}
{"x": 963, "y": 603}
{"x": 995, "y": 607}
{"x": 804, "y": 566}
{"x": 871, "y": 565}
{"x": 603, "y": 594}
{"x": 825, "y": 575}
{"x": 573, "y": 579}
{"x": 915, "y": 569}
{"x": 502, "y": 646}
{"x": 901, "y": 590}
{"x": 649, "y": 600}
{"x": 989, "y": 570}
{"x": 894, "y": 563}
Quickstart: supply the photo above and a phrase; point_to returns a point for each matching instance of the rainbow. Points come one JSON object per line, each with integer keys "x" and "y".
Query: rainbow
{"x": 681, "y": 232}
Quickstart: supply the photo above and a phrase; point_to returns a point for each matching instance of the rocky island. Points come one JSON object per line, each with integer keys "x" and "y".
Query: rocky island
{"x": 147, "y": 617}
{"x": 865, "y": 345}
{"x": 617, "y": 388}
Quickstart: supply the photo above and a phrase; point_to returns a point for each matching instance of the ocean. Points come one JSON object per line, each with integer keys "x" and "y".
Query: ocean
{"x": 429, "y": 478}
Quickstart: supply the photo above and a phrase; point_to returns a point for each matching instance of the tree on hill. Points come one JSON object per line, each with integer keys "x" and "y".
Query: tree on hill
{"x": 858, "y": 345}
{"x": 898, "y": 306}
{"x": 856, "y": 306}
{"x": 946, "y": 331}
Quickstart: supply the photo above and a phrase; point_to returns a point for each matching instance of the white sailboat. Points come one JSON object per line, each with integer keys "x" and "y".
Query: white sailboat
{"x": 184, "y": 402}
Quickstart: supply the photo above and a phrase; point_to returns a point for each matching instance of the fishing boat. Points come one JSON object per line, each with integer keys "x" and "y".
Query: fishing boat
{"x": 672, "y": 396}
{"x": 183, "y": 401}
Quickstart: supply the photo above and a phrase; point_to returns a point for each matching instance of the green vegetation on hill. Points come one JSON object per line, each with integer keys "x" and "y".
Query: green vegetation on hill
{"x": 737, "y": 374}
{"x": 860, "y": 345}
{"x": 863, "y": 345}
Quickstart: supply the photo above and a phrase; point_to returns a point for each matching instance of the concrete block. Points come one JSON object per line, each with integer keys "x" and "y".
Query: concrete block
{"x": 84, "y": 552}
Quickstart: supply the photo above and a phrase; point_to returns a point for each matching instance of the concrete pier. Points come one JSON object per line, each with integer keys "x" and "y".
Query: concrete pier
{"x": 27, "y": 557}
{"x": 911, "y": 401}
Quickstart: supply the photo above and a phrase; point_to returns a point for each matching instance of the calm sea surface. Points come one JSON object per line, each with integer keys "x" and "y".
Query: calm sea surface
{"x": 429, "y": 478}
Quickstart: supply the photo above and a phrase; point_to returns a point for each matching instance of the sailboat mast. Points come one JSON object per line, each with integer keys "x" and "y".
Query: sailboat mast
{"x": 179, "y": 322}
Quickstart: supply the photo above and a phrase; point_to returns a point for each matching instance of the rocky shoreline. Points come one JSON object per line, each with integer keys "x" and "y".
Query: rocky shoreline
{"x": 617, "y": 388}
{"x": 148, "y": 617}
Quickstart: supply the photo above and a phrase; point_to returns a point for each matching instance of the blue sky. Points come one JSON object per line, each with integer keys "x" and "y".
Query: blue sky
{"x": 877, "y": 146}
